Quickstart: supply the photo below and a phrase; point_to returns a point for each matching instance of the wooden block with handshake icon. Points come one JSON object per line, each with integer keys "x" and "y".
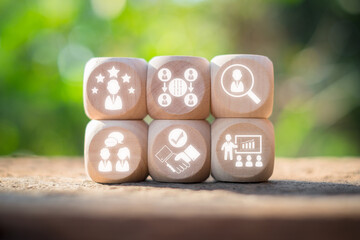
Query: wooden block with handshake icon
{"x": 179, "y": 145}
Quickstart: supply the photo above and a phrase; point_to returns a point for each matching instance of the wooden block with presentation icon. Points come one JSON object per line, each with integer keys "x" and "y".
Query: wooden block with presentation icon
{"x": 242, "y": 149}
{"x": 178, "y": 87}
{"x": 179, "y": 150}
{"x": 242, "y": 86}
{"x": 114, "y": 88}
{"x": 116, "y": 151}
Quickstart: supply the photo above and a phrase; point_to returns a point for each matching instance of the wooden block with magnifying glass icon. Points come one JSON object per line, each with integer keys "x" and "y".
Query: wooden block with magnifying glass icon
{"x": 114, "y": 88}
{"x": 242, "y": 86}
{"x": 116, "y": 151}
{"x": 178, "y": 87}
{"x": 242, "y": 149}
{"x": 179, "y": 150}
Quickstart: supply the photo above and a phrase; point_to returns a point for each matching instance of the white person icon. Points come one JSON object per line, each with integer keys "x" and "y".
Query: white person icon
{"x": 113, "y": 101}
{"x": 112, "y": 87}
{"x": 122, "y": 164}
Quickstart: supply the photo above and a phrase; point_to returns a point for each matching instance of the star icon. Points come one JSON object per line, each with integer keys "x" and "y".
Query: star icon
{"x": 94, "y": 90}
{"x": 100, "y": 78}
{"x": 126, "y": 78}
{"x": 131, "y": 90}
{"x": 113, "y": 72}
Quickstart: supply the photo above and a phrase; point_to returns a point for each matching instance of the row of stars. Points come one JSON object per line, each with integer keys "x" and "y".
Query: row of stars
{"x": 113, "y": 73}
{"x": 95, "y": 90}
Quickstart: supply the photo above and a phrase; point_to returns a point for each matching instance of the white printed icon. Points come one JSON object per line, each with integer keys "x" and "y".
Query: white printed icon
{"x": 164, "y": 74}
{"x": 122, "y": 164}
{"x": 177, "y": 162}
{"x": 190, "y": 100}
{"x": 243, "y": 145}
{"x": 113, "y": 100}
{"x": 190, "y": 74}
{"x": 104, "y": 164}
{"x": 232, "y": 82}
{"x": 177, "y": 137}
{"x": 164, "y": 99}
{"x": 177, "y": 87}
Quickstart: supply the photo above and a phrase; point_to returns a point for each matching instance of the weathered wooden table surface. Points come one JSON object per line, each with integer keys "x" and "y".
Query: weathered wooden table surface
{"x": 52, "y": 198}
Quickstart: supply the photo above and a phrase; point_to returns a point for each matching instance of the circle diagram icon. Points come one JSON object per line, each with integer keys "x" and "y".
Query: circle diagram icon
{"x": 177, "y": 87}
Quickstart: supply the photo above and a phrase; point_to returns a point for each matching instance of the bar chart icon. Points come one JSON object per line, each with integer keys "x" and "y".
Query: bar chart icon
{"x": 248, "y": 144}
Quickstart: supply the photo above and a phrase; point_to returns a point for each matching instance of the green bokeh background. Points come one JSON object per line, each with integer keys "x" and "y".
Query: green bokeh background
{"x": 314, "y": 46}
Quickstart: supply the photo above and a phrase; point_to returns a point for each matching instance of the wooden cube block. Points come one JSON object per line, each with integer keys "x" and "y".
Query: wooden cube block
{"x": 242, "y": 150}
{"x": 178, "y": 87}
{"x": 116, "y": 151}
{"x": 242, "y": 86}
{"x": 179, "y": 150}
{"x": 114, "y": 88}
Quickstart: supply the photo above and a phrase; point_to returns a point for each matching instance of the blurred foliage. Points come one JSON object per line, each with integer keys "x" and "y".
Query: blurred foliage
{"x": 314, "y": 46}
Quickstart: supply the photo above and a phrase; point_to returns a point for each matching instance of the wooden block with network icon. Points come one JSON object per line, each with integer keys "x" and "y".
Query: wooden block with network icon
{"x": 242, "y": 149}
{"x": 116, "y": 151}
{"x": 179, "y": 150}
{"x": 114, "y": 88}
{"x": 178, "y": 87}
{"x": 242, "y": 86}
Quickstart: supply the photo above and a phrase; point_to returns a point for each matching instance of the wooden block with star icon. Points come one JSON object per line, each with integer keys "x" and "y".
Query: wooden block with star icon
{"x": 114, "y": 88}
{"x": 179, "y": 150}
{"x": 178, "y": 87}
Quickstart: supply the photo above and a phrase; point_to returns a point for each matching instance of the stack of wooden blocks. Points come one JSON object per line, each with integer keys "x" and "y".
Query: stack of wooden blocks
{"x": 179, "y": 145}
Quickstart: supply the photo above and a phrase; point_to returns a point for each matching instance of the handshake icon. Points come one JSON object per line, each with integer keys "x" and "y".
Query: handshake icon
{"x": 180, "y": 162}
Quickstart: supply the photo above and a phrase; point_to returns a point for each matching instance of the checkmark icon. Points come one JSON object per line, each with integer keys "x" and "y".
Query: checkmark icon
{"x": 177, "y": 137}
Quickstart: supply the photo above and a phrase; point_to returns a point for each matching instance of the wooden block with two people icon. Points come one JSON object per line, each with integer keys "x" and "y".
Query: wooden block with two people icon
{"x": 242, "y": 86}
{"x": 178, "y": 87}
{"x": 114, "y": 88}
{"x": 116, "y": 151}
{"x": 242, "y": 149}
{"x": 179, "y": 150}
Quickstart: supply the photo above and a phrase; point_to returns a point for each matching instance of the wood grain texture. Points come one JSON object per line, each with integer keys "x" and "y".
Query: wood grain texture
{"x": 179, "y": 150}
{"x": 178, "y": 87}
{"x": 116, "y": 151}
{"x": 115, "y": 88}
{"x": 306, "y": 198}
{"x": 242, "y": 150}
{"x": 242, "y": 86}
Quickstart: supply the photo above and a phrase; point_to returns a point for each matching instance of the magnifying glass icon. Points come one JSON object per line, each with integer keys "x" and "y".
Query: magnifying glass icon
{"x": 238, "y": 94}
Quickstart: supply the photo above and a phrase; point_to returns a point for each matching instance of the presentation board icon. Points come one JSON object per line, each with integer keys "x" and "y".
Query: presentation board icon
{"x": 242, "y": 149}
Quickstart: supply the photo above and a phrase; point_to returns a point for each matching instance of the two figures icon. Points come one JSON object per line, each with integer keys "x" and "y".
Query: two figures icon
{"x": 123, "y": 154}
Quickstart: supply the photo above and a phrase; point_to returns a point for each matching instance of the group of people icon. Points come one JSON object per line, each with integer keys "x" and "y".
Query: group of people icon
{"x": 123, "y": 154}
{"x": 178, "y": 87}
{"x": 228, "y": 148}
